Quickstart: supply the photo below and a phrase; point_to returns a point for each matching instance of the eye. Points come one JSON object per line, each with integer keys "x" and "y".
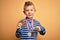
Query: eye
{"x": 26, "y": 10}
{"x": 31, "y": 9}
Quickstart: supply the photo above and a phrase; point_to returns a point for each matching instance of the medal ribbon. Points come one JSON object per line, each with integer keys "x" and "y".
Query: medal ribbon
{"x": 29, "y": 24}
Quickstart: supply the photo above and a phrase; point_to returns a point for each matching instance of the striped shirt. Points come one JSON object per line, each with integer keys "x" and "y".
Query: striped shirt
{"x": 23, "y": 31}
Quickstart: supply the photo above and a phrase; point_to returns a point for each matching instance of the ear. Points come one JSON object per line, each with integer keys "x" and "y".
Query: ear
{"x": 35, "y": 10}
{"x": 24, "y": 12}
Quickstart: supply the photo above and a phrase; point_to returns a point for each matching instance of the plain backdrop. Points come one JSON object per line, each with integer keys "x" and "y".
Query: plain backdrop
{"x": 47, "y": 13}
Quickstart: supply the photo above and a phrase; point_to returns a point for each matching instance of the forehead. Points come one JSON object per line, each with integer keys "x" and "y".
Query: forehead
{"x": 29, "y": 7}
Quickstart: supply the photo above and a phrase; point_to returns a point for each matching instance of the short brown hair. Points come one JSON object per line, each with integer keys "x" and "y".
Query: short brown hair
{"x": 28, "y": 3}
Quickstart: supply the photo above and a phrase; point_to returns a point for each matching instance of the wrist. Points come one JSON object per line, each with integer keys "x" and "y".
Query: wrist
{"x": 37, "y": 28}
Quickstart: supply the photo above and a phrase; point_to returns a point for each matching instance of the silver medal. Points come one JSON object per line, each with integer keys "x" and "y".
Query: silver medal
{"x": 29, "y": 34}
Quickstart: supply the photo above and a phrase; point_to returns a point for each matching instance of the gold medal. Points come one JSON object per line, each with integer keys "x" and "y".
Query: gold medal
{"x": 23, "y": 22}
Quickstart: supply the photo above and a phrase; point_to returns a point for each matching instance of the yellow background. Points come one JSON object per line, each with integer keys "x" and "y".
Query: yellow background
{"x": 47, "y": 13}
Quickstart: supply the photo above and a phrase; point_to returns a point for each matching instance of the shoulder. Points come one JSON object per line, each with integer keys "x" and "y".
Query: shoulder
{"x": 21, "y": 20}
{"x": 36, "y": 21}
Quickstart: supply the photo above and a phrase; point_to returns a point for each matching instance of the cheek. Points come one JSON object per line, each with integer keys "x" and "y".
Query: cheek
{"x": 33, "y": 12}
{"x": 26, "y": 13}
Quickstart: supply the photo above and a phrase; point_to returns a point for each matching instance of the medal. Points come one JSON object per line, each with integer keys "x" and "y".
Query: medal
{"x": 29, "y": 34}
{"x": 23, "y": 21}
{"x": 29, "y": 27}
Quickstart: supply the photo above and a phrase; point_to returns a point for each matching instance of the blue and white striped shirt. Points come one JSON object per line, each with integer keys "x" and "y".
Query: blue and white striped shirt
{"x": 23, "y": 31}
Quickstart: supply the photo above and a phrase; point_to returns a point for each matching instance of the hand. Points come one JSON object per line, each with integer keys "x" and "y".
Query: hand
{"x": 19, "y": 25}
{"x": 37, "y": 28}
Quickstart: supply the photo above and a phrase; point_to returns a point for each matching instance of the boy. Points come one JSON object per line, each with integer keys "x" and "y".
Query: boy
{"x": 29, "y": 27}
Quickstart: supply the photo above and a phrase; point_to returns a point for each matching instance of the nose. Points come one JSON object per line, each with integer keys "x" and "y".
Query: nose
{"x": 29, "y": 12}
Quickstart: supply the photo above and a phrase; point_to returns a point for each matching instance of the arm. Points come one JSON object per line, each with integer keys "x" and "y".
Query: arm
{"x": 18, "y": 30}
{"x": 40, "y": 28}
{"x": 19, "y": 25}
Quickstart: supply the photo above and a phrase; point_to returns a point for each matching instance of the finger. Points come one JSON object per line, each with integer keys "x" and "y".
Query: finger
{"x": 19, "y": 24}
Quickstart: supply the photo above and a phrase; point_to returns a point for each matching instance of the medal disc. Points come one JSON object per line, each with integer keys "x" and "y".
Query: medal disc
{"x": 29, "y": 33}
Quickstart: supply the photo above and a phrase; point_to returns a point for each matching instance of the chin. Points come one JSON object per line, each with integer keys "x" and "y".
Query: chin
{"x": 30, "y": 17}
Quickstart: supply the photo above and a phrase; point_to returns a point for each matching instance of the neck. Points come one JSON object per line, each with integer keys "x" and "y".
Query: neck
{"x": 29, "y": 18}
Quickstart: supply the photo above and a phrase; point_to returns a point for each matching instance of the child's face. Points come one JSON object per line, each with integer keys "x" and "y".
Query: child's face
{"x": 29, "y": 11}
